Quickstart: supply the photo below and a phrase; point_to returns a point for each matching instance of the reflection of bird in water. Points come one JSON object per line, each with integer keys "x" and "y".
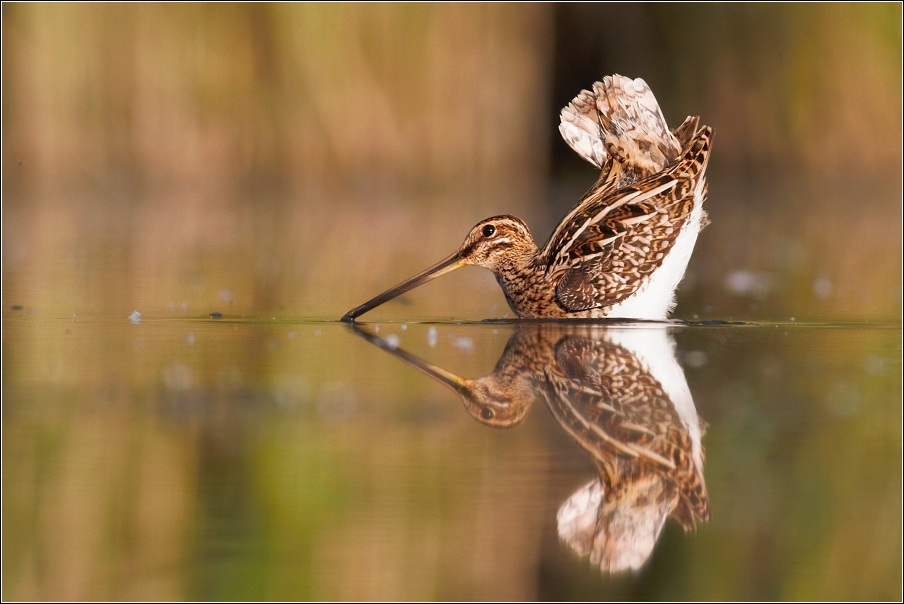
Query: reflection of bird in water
{"x": 622, "y": 250}
{"x": 622, "y": 396}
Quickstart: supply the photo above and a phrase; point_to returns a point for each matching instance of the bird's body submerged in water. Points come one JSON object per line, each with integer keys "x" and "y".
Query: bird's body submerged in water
{"x": 623, "y": 249}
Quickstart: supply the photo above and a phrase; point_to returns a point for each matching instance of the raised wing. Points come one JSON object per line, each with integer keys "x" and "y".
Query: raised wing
{"x": 604, "y": 253}
{"x": 619, "y": 120}
{"x": 619, "y": 127}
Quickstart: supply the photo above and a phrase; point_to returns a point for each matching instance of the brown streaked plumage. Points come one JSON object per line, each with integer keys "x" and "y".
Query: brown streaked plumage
{"x": 621, "y": 395}
{"x": 622, "y": 250}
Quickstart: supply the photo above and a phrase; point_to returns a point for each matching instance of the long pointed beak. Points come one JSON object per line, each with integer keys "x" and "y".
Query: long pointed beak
{"x": 441, "y": 268}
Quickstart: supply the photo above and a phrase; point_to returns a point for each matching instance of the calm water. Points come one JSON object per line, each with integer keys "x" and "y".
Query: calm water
{"x": 281, "y": 164}
{"x": 185, "y": 457}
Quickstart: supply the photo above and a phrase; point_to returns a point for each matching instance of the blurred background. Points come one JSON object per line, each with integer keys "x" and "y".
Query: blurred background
{"x": 280, "y": 162}
{"x": 297, "y": 160}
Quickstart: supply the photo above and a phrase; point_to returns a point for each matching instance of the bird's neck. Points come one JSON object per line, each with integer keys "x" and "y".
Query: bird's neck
{"x": 521, "y": 280}
{"x": 521, "y": 260}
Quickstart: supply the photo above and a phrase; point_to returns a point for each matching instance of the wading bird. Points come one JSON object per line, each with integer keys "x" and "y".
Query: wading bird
{"x": 623, "y": 249}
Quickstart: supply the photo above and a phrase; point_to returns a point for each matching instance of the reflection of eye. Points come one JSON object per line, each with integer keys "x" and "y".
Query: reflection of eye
{"x": 488, "y": 231}
{"x": 486, "y": 413}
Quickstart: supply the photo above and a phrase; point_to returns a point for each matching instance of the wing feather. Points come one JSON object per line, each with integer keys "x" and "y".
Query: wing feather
{"x": 619, "y": 128}
{"x": 621, "y": 238}
{"x": 619, "y": 119}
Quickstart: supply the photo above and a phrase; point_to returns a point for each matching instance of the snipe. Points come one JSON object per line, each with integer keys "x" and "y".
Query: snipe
{"x": 623, "y": 249}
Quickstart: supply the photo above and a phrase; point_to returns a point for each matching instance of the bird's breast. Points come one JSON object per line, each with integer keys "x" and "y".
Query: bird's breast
{"x": 529, "y": 293}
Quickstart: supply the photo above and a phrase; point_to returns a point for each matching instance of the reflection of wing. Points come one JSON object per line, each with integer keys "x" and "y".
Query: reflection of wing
{"x": 616, "y": 529}
{"x": 630, "y": 409}
{"x": 617, "y": 239}
{"x": 614, "y": 406}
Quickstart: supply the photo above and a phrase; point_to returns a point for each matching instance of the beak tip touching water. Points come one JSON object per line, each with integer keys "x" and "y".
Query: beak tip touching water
{"x": 449, "y": 264}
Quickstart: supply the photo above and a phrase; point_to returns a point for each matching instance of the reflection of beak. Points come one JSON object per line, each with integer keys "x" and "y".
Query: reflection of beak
{"x": 449, "y": 264}
{"x": 451, "y": 380}
{"x": 471, "y": 397}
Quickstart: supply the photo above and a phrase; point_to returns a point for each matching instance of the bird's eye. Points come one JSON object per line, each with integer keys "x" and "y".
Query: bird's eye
{"x": 489, "y": 230}
{"x": 486, "y": 413}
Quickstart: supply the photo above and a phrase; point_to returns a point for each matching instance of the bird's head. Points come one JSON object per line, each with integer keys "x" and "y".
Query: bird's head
{"x": 497, "y": 401}
{"x": 497, "y": 243}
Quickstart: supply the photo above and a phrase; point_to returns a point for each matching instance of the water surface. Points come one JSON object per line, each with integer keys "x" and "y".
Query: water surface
{"x": 237, "y": 458}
